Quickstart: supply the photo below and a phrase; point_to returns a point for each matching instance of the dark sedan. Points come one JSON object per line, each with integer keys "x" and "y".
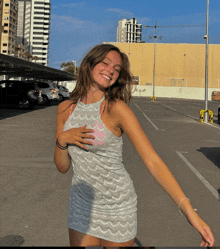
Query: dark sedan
{"x": 19, "y": 93}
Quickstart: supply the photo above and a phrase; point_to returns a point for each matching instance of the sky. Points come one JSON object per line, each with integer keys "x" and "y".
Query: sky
{"x": 77, "y": 26}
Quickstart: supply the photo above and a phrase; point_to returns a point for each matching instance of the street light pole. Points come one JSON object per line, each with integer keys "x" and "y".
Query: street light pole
{"x": 154, "y": 66}
{"x": 155, "y": 40}
{"x": 75, "y": 66}
{"x": 206, "y": 64}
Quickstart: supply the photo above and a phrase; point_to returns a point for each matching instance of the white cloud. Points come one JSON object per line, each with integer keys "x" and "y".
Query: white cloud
{"x": 71, "y": 5}
{"x": 73, "y": 24}
{"x": 120, "y": 11}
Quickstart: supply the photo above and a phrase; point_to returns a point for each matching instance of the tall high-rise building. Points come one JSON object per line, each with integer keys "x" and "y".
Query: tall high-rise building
{"x": 1, "y": 8}
{"x": 24, "y": 24}
{"x": 129, "y": 31}
{"x": 34, "y": 28}
{"x": 8, "y": 19}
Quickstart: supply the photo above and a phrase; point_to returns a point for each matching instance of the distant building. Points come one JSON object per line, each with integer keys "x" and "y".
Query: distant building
{"x": 34, "y": 28}
{"x": 8, "y": 26}
{"x": 24, "y": 25}
{"x": 1, "y": 8}
{"x": 129, "y": 31}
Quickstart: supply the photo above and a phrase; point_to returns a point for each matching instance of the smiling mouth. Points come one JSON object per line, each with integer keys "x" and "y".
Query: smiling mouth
{"x": 106, "y": 77}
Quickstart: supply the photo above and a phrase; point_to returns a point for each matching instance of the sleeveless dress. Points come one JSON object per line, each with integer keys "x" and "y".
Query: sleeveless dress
{"x": 102, "y": 201}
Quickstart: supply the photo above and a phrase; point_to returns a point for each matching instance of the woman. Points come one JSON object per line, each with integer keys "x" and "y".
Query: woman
{"x": 103, "y": 203}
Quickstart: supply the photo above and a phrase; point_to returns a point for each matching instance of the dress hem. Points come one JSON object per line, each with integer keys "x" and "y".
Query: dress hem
{"x": 104, "y": 238}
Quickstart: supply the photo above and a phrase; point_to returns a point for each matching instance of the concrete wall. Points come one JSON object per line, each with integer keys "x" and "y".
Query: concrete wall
{"x": 173, "y": 92}
{"x": 161, "y": 91}
{"x": 180, "y": 69}
{"x": 177, "y": 65}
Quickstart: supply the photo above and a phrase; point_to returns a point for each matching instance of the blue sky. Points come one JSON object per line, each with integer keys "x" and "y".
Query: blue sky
{"x": 77, "y": 26}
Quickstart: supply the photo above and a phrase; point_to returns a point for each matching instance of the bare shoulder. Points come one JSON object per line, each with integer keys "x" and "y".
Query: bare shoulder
{"x": 119, "y": 108}
{"x": 121, "y": 113}
{"x": 64, "y": 106}
{"x": 63, "y": 110}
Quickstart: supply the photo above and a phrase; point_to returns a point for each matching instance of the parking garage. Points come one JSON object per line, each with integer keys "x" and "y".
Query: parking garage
{"x": 13, "y": 67}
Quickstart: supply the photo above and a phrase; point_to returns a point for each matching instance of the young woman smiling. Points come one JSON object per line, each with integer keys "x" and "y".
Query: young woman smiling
{"x": 103, "y": 203}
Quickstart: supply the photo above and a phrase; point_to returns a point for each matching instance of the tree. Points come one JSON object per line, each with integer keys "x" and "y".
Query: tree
{"x": 69, "y": 67}
{"x": 35, "y": 58}
{"x": 27, "y": 55}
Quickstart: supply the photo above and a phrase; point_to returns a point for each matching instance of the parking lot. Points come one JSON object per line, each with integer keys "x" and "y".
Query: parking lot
{"x": 34, "y": 195}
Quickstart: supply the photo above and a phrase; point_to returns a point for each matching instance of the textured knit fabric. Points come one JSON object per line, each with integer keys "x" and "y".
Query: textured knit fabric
{"x": 102, "y": 201}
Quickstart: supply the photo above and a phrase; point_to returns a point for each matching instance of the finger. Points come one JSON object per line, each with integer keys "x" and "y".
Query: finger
{"x": 84, "y": 141}
{"x": 207, "y": 242}
{"x": 88, "y": 136}
{"x": 81, "y": 146}
{"x": 203, "y": 244}
{"x": 88, "y": 130}
{"x": 208, "y": 236}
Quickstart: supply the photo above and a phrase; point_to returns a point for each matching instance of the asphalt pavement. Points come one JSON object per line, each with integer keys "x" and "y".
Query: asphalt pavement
{"x": 34, "y": 195}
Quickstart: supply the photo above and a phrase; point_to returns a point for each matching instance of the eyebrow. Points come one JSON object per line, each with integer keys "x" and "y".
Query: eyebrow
{"x": 111, "y": 61}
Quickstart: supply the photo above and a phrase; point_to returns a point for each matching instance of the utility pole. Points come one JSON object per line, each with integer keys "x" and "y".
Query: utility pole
{"x": 155, "y": 40}
{"x": 206, "y": 64}
{"x": 74, "y": 62}
{"x": 154, "y": 67}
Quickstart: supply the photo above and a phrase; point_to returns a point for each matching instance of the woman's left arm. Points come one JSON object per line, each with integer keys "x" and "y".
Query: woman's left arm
{"x": 129, "y": 124}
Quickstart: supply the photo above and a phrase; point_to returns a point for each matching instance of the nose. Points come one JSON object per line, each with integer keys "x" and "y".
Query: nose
{"x": 110, "y": 69}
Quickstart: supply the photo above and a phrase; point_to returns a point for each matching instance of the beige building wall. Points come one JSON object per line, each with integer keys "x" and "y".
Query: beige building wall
{"x": 177, "y": 65}
{"x": 9, "y": 26}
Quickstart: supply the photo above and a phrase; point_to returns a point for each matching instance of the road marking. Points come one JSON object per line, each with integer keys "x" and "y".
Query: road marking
{"x": 204, "y": 181}
{"x": 169, "y": 107}
{"x": 147, "y": 118}
{"x": 213, "y": 125}
{"x": 180, "y": 112}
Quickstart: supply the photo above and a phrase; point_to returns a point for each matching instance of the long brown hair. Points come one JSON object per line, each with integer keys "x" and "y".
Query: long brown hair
{"x": 121, "y": 89}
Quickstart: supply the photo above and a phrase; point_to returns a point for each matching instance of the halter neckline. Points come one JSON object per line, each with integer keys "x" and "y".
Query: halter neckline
{"x": 96, "y": 103}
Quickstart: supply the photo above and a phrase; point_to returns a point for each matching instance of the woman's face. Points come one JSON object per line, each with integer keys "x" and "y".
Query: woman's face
{"x": 106, "y": 73}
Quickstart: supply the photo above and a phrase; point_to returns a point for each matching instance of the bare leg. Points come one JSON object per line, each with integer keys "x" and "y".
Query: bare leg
{"x": 80, "y": 239}
{"x": 113, "y": 245}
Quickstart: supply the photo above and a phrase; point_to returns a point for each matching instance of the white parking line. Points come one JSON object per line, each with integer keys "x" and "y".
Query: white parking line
{"x": 147, "y": 118}
{"x": 169, "y": 107}
{"x": 204, "y": 181}
{"x": 179, "y": 112}
{"x": 197, "y": 120}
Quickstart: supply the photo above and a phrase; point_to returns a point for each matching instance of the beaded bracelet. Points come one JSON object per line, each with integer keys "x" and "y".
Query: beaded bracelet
{"x": 60, "y": 146}
{"x": 180, "y": 203}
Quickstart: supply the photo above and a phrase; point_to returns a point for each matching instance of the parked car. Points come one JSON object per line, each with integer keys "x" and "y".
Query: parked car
{"x": 19, "y": 93}
{"x": 63, "y": 93}
{"x": 49, "y": 91}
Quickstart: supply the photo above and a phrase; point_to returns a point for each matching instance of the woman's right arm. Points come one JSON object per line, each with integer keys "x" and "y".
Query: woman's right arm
{"x": 62, "y": 159}
{"x": 74, "y": 136}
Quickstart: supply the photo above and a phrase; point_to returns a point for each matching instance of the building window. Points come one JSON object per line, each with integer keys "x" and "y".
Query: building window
{"x": 4, "y": 51}
{"x": 7, "y": 4}
{"x": 38, "y": 2}
{"x": 5, "y": 24}
{"x": 4, "y": 44}
{"x": 39, "y": 13}
{"x": 41, "y": 23}
{"x": 5, "y": 31}
{"x": 39, "y": 8}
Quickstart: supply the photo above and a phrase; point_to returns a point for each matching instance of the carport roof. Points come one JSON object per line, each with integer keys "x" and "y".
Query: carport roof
{"x": 16, "y": 67}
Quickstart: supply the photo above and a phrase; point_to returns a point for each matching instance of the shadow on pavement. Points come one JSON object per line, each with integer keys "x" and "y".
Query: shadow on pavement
{"x": 138, "y": 243}
{"x": 11, "y": 240}
{"x": 8, "y": 112}
{"x": 212, "y": 153}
